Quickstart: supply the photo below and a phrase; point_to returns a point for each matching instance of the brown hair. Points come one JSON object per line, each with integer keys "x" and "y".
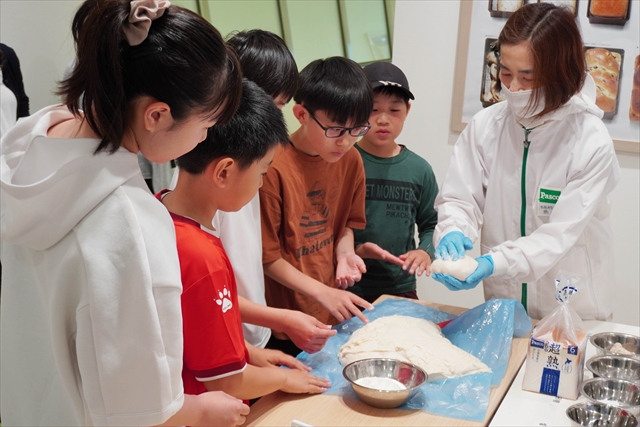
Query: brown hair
{"x": 557, "y": 49}
{"x": 183, "y": 62}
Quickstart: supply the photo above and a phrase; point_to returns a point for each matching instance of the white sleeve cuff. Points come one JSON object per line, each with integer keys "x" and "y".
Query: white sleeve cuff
{"x": 500, "y": 264}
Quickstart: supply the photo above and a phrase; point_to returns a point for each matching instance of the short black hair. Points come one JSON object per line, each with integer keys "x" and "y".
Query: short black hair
{"x": 266, "y": 60}
{"x": 257, "y": 127}
{"x": 393, "y": 91}
{"x": 338, "y": 87}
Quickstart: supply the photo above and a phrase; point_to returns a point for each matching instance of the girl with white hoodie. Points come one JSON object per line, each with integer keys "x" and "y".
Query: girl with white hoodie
{"x": 91, "y": 322}
{"x": 534, "y": 175}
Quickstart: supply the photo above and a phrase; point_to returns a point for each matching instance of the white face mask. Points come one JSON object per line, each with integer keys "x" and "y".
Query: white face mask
{"x": 519, "y": 103}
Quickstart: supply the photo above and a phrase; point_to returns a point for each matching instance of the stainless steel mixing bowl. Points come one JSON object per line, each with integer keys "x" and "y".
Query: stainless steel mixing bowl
{"x": 410, "y": 375}
{"x": 599, "y": 414}
{"x": 620, "y": 393}
{"x": 616, "y": 367}
{"x": 605, "y": 340}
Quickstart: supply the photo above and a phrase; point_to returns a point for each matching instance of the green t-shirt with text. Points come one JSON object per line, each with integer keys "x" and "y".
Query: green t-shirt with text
{"x": 400, "y": 193}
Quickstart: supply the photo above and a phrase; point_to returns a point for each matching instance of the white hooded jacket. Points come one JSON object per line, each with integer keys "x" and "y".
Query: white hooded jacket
{"x": 560, "y": 201}
{"x": 91, "y": 323}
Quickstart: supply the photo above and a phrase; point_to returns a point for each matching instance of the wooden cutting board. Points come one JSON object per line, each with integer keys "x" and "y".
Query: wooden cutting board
{"x": 279, "y": 409}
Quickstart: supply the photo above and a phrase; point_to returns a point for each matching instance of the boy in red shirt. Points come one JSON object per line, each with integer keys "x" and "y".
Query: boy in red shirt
{"x": 224, "y": 172}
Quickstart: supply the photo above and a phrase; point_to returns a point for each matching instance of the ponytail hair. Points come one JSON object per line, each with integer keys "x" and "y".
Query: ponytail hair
{"x": 183, "y": 62}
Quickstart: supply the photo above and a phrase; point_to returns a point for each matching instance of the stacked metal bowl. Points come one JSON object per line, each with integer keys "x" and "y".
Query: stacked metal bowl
{"x": 613, "y": 395}
{"x": 598, "y": 414}
{"x": 616, "y": 344}
{"x": 613, "y": 392}
{"x": 615, "y": 367}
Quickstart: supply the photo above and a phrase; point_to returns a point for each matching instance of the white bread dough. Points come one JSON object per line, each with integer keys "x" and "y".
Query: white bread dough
{"x": 460, "y": 268}
{"x": 413, "y": 340}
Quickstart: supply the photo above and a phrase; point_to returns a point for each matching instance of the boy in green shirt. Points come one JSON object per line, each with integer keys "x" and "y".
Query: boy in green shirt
{"x": 400, "y": 192}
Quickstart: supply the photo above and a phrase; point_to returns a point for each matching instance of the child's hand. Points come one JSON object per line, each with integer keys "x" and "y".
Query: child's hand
{"x": 264, "y": 357}
{"x": 303, "y": 382}
{"x": 373, "y": 251}
{"x": 307, "y": 332}
{"x": 221, "y": 410}
{"x": 343, "y": 305}
{"x": 416, "y": 261}
{"x": 349, "y": 271}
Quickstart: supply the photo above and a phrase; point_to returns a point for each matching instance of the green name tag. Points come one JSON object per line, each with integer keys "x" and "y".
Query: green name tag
{"x": 547, "y": 199}
{"x": 548, "y": 195}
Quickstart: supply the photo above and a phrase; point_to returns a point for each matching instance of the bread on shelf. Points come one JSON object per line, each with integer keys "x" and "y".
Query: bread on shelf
{"x": 634, "y": 108}
{"x": 508, "y": 5}
{"x": 572, "y": 5}
{"x": 490, "y": 92}
{"x": 609, "y": 8}
{"x": 604, "y": 67}
{"x": 504, "y": 8}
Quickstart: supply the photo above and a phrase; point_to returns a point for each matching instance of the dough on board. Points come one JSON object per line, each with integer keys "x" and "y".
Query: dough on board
{"x": 413, "y": 340}
{"x": 460, "y": 268}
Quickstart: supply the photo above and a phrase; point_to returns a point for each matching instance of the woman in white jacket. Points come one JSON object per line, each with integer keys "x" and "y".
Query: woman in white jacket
{"x": 91, "y": 318}
{"x": 534, "y": 175}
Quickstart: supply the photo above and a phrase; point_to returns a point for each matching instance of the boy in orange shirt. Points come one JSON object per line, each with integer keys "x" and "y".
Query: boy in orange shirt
{"x": 313, "y": 198}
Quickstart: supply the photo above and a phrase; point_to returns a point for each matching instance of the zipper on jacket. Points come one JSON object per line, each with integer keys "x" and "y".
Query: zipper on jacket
{"x": 523, "y": 195}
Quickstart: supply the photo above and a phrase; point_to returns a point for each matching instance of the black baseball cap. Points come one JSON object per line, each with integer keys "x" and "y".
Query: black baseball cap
{"x": 387, "y": 74}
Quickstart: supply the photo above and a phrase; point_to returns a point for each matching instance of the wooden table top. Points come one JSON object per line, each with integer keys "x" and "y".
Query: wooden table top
{"x": 280, "y": 409}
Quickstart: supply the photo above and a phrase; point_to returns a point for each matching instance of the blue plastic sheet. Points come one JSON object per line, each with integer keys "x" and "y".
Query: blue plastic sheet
{"x": 485, "y": 331}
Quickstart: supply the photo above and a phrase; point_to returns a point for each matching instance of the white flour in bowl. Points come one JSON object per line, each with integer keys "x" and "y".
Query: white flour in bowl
{"x": 380, "y": 383}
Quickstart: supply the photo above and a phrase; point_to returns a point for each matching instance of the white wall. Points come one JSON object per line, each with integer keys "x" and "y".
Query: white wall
{"x": 40, "y": 33}
{"x": 424, "y": 48}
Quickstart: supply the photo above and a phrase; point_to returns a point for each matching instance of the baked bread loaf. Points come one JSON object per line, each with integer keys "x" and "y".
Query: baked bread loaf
{"x": 569, "y": 4}
{"x": 609, "y": 8}
{"x": 605, "y": 70}
{"x": 491, "y": 94}
{"x": 508, "y": 5}
{"x": 634, "y": 108}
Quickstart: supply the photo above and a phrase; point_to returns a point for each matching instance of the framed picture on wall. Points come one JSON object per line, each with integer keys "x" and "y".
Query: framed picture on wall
{"x": 612, "y": 46}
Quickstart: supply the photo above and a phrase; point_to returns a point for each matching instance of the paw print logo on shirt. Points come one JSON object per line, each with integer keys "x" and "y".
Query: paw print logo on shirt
{"x": 224, "y": 300}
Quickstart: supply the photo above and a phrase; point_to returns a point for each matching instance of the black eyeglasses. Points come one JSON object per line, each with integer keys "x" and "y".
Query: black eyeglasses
{"x": 338, "y": 131}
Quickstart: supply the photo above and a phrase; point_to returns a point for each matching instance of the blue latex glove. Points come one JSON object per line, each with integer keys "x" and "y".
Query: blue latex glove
{"x": 453, "y": 246}
{"x": 484, "y": 270}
